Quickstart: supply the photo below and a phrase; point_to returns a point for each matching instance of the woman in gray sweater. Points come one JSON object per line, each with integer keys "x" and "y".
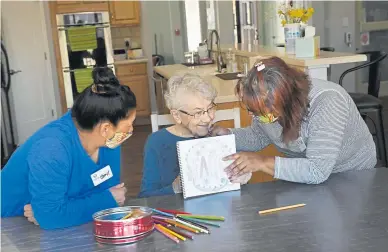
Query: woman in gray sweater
{"x": 314, "y": 123}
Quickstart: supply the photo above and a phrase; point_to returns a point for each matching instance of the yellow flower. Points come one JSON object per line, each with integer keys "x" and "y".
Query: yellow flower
{"x": 284, "y": 22}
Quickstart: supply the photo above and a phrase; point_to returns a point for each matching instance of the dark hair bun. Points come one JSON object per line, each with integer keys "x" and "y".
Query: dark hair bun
{"x": 105, "y": 81}
{"x": 104, "y": 100}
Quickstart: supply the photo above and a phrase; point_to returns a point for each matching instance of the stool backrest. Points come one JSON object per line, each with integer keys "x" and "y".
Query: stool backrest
{"x": 374, "y": 71}
{"x": 221, "y": 115}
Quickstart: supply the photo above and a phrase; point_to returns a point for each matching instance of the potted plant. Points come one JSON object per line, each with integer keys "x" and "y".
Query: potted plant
{"x": 292, "y": 19}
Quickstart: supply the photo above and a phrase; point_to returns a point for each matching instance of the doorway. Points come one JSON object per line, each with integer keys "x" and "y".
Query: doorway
{"x": 31, "y": 91}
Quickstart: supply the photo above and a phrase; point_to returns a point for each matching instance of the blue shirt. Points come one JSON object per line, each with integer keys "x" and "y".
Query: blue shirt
{"x": 52, "y": 172}
{"x": 161, "y": 165}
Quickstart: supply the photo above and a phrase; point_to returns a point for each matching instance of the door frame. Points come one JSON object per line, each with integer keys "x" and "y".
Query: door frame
{"x": 50, "y": 77}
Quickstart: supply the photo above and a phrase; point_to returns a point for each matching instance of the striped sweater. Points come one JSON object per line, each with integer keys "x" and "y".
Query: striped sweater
{"x": 333, "y": 138}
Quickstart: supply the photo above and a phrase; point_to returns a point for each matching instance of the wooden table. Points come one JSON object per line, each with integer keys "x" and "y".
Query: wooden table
{"x": 347, "y": 213}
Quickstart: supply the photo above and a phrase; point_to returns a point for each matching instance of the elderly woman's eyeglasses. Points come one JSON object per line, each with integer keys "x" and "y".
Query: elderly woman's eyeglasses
{"x": 199, "y": 114}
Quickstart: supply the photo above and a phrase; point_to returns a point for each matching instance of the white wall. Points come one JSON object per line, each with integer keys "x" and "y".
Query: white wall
{"x": 224, "y": 21}
{"x": 328, "y": 20}
{"x": 161, "y": 18}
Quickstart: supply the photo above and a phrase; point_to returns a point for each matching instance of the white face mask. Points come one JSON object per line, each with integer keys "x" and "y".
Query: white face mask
{"x": 117, "y": 139}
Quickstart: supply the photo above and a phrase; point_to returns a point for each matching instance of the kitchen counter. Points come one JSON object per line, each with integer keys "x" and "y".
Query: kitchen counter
{"x": 325, "y": 58}
{"x": 131, "y": 61}
{"x": 225, "y": 88}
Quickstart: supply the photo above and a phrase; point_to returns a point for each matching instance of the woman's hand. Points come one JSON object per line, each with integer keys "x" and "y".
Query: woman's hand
{"x": 118, "y": 192}
{"x": 218, "y": 131}
{"x": 246, "y": 162}
{"x": 29, "y": 214}
{"x": 176, "y": 185}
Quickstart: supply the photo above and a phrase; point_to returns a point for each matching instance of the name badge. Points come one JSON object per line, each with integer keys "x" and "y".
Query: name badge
{"x": 101, "y": 175}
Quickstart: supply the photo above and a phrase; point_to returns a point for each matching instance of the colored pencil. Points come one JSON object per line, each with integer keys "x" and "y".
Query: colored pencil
{"x": 200, "y": 221}
{"x": 192, "y": 226}
{"x": 193, "y": 223}
{"x": 159, "y": 217}
{"x": 171, "y": 211}
{"x": 172, "y": 232}
{"x": 162, "y": 222}
{"x": 168, "y": 235}
{"x": 173, "y": 228}
{"x": 280, "y": 208}
{"x": 163, "y": 213}
{"x": 204, "y": 217}
{"x": 178, "y": 231}
{"x": 126, "y": 216}
{"x": 176, "y": 224}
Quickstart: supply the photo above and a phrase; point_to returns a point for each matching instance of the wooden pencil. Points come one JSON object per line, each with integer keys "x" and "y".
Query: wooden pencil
{"x": 176, "y": 224}
{"x": 173, "y": 228}
{"x": 168, "y": 235}
{"x": 172, "y": 232}
{"x": 204, "y": 217}
{"x": 199, "y": 221}
{"x": 192, "y": 226}
{"x": 280, "y": 208}
{"x": 192, "y": 222}
{"x": 171, "y": 211}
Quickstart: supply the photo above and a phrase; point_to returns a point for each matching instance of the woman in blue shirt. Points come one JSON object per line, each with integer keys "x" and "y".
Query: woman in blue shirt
{"x": 191, "y": 103}
{"x": 70, "y": 168}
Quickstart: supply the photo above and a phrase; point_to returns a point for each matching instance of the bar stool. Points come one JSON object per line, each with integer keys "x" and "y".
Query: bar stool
{"x": 369, "y": 103}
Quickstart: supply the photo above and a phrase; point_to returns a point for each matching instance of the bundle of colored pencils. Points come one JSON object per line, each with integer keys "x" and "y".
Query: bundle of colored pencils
{"x": 178, "y": 225}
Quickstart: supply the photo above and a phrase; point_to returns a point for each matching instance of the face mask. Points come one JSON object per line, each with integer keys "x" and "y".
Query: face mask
{"x": 268, "y": 118}
{"x": 117, "y": 139}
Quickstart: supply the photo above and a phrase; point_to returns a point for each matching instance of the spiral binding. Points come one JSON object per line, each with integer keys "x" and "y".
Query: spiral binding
{"x": 180, "y": 171}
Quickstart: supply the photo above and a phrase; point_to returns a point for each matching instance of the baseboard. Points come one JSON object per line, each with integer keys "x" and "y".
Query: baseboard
{"x": 363, "y": 88}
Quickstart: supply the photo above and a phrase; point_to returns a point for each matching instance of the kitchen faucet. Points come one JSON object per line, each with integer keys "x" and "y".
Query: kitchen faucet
{"x": 220, "y": 61}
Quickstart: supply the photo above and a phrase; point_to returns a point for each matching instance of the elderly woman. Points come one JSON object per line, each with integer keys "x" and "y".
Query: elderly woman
{"x": 314, "y": 123}
{"x": 70, "y": 168}
{"x": 191, "y": 104}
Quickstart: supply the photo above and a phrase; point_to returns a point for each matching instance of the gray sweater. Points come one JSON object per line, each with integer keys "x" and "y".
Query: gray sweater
{"x": 333, "y": 138}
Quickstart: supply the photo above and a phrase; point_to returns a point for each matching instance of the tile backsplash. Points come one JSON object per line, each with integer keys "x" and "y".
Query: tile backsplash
{"x": 119, "y": 34}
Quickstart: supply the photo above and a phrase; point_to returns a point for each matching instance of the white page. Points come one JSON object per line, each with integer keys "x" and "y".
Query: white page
{"x": 201, "y": 165}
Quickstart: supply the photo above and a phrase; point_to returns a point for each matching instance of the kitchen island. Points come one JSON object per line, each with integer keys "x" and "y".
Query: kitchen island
{"x": 316, "y": 67}
{"x": 226, "y": 99}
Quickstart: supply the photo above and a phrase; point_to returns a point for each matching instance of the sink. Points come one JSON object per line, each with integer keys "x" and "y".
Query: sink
{"x": 229, "y": 76}
{"x": 196, "y": 64}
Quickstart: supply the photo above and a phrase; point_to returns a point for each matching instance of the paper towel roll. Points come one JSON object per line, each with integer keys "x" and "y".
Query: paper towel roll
{"x": 309, "y": 31}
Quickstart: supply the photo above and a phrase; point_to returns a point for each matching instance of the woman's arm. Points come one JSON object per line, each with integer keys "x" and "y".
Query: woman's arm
{"x": 49, "y": 164}
{"x": 150, "y": 184}
{"x": 326, "y": 131}
{"x": 251, "y": 138}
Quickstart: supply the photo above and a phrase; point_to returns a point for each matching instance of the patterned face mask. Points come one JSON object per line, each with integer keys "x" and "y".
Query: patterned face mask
{"x": 268, "y": 118}
{"x": 117, "y": 139}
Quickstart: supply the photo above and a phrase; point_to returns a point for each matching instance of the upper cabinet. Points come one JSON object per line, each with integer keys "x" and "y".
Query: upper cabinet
{"x": 124, "y": 13}
{"x": 80, "y": 6}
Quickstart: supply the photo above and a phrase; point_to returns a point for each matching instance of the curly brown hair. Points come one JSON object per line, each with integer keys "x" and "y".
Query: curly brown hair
{"x": 278, "y": 89}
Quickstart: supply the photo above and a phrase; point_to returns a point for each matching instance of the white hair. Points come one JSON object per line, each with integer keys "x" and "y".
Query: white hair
{"x": 191, "y": 84}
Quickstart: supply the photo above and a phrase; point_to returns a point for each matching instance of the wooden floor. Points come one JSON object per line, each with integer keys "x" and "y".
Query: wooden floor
{"x": 132, "y": 154}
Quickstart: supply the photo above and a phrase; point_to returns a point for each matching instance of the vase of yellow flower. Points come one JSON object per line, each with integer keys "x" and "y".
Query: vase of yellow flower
{"x": 292, "y": 18}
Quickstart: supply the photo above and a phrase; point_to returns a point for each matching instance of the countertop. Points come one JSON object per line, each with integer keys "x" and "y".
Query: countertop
{"x": 325, "y": 58}
{"x": 225, "y": 88}
{"x": 130, "y": 61}
{"x": 349, "y": 212}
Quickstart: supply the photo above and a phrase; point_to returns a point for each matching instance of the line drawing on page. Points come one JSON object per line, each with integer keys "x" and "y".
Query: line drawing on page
{"x": 202, "y": 161}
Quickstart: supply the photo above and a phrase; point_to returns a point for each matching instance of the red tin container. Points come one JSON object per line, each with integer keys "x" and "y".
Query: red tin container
{"x": 109, "y": 227}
